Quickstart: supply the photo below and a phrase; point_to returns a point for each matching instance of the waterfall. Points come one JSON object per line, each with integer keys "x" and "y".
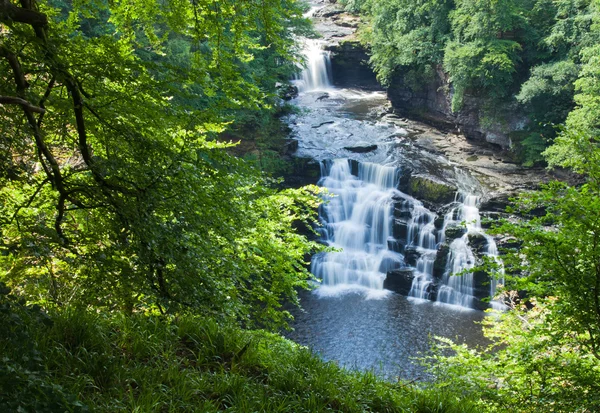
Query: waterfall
{"x": 459, "y": 289}
{"x": 421, "y": 235}
{"x": 358, "y": 220}
{"x": 317, "y": 73}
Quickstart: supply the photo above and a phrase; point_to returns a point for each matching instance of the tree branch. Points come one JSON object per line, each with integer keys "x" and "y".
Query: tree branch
{"x": 11, "y": 100}
{"x": 10, "y": 13}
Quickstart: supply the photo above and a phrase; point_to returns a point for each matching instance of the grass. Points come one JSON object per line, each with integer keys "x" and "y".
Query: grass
{"x": 85, "y": 361}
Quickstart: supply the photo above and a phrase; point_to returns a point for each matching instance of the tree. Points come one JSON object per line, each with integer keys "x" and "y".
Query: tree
{"x": 115, "y": 192}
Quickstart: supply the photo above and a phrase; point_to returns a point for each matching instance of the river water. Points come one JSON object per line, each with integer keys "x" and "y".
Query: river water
{"x": 350, "y": 317}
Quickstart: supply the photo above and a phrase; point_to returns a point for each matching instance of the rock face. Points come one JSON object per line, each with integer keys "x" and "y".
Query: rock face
{"x": 350, "y": 66}
{"x": 304, "y": 171}
{"x": 399, "y": 280}
{"x": 432, "y": 104}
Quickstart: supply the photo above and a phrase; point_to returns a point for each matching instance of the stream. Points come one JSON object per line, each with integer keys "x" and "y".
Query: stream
{"x": 391, "y": 284}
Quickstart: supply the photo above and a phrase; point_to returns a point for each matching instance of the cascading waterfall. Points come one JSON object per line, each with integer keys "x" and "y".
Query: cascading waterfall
{"x": 317, "y": 73}
{"x": 459, "y": 289}
{"x": 357, "y": 219}
{"x": 421, "y": 235}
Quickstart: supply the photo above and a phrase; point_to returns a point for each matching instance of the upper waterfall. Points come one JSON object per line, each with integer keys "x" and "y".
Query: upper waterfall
{"x": 317, "y": 73}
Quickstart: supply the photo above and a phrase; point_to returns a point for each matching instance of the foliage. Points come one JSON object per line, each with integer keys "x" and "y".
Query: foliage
{"x": 544, "y": 355}
{"x": 116, "y": 193}
{"x": 530, "y": 366}
{"x": 536, "y": 52}
{"x": 189, "y": 363}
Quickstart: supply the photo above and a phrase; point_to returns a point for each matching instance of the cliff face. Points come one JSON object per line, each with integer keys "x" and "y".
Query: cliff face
{"x": 431, "y": 104}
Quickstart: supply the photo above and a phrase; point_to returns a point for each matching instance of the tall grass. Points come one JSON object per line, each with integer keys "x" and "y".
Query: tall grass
{"x": 114, "y": 363}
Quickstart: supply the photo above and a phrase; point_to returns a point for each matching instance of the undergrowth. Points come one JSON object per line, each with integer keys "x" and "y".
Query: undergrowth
{"x": 79, "y": 361}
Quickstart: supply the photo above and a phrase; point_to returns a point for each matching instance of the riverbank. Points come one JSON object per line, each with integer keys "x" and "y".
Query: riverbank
{"x": 493, "y": 165}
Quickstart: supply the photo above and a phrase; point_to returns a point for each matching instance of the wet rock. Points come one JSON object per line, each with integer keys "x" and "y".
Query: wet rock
{"x": 322, "y": 97}
{"x": 350, "y": 66}
{"x": 329, "y": 122}
{"x": 399, "y": 280}
{"x": 411, "y": 256}
{"x": 389, "y": 264}
{"x": 287, "y": 91}
{"x": 396, "y": 246}
{"x": 430, "y": 190}
{"x": 439, "y": 222}
{"x": 400, "y": 229}
{"x": 441, "y": 258}
{"x": 454, "y": 231}
{"x": 354, "y": 166}
{"x": 304, "y": 171}
{"x": 478, "y": 243}
{"x": 361, "y": 149}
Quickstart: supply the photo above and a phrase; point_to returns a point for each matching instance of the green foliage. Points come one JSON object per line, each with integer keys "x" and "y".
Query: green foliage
{"x": 544, "y": 356}
{"x": 188, "y": 363}
{"x": 531, "y": 51}
{"x": 483, "y": 66}
{"x": 530, "y": 365}
{"x": 25, "y": 385}
{"x": 118, "y": 195}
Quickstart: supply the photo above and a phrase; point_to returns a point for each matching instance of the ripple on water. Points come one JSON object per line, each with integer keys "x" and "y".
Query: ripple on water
{"x": 384, "y": 334}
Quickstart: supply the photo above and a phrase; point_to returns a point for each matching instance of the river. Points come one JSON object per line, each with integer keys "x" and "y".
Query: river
{"x": 385, "y": 239}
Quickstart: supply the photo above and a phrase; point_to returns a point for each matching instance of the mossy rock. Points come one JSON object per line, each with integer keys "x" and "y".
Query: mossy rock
{"x": 426, "y": 189}
{"x": 454, "y": 231}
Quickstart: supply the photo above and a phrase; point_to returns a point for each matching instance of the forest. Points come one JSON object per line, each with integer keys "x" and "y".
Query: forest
{"x": 537, "y": 58}
{"x": 151, "y": 251}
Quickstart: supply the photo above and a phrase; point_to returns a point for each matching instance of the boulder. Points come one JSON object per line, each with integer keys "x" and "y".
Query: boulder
{"x": 304, "y": 171}
{"x": 399, "y": 280}
{"x": 287, "y": 91}
{"x": 441, "y": 258}
{"x": 430, "y": 190}
{"x": 400, "y": 229}
{"x": 478, "y": 243}
{"x": 361, "y": 149}
{"x": 454, "y": 231}
{"x": 411, "y": 256}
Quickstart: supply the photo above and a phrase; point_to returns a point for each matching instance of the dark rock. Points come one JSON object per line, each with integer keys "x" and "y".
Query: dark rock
{"x": 508, "y": 243}
{"x": 354, "y": 167}
{"x": 287, "y": 91}
{"x": 478, "y": 243}
{"x": 432, "y": 103}
{"x": 441, "y": 258}
{"x": 304, "y": 171}
{"x": 402, "y": 214}
{"x": 399, "y": 280}
{"x": 395, "y": 246}
{"x": 411, "y": 256}
{"x": 323, "y": 96}
{"x": 496, "y": 203}
{"x": 329, "y": 122}
{"x": 400, "y": 229}
{"x": 290, "y": 146}
{"x": 439, "y": 222}
{"x": 454, "y": 231}
{"x": 350, "y": 66}
{"x": 361, "y": 149}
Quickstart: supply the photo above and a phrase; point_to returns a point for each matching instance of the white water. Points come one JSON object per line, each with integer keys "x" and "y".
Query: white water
{"x": 357, "y": 219}
{"x": 317, "y": 73}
